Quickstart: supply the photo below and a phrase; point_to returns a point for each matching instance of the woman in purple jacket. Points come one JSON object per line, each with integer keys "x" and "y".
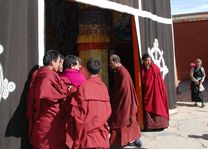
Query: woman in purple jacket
{"x": 71, "y": 72}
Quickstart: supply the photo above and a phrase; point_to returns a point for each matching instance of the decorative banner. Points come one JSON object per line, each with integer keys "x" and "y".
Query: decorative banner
{"x": 5, "y": 86}
{"x": 18, "y": 55}
{"x": 92, "y": 28}
{"x": 93, "y": 40}
{"x": 158, "y": 58}
{"x": 159, "y": 36}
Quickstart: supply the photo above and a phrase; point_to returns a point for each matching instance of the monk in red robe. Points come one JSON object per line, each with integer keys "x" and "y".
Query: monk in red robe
{"x": 156, "y": 113}
{"x": 46, "y": 95}
{"x": 30, "y": 104}
{"x": 124, "y": 126}
{"x": 87, "y": 125}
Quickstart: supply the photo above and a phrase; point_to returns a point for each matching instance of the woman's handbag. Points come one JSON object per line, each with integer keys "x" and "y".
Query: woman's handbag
{"x": 201, "y": 87}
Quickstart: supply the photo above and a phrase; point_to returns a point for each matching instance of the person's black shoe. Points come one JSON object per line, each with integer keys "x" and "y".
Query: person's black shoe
{"x": 137, "y": 143}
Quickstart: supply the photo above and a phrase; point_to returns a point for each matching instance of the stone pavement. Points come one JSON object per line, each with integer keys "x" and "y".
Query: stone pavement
{"x": 188, "y": 125}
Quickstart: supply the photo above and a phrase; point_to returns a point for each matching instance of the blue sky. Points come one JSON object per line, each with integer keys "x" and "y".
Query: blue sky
{"x": 188, "y": 6}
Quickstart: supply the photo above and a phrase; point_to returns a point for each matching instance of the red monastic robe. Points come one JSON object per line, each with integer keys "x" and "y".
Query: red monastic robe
{"x": 87, "y": 119}
{"x": 155, "y": 98}
{"x": 30, "y": 105}
{"x": 123, "y": 121}
{"x": 46, "y": 96}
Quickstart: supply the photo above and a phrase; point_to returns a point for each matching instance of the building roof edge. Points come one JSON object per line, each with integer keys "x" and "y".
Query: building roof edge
{"x": 190, "y": 17}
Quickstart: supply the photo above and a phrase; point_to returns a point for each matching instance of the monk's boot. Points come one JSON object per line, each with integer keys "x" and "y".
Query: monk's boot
{"x": 137, "y": 143}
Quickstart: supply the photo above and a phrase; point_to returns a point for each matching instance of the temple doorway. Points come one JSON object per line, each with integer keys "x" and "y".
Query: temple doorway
{"x": 83, "y": 30}
{"x": 91, "y": 32}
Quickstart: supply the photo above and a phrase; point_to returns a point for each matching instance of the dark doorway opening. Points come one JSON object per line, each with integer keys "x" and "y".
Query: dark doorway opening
{"x": 62, "y": 28}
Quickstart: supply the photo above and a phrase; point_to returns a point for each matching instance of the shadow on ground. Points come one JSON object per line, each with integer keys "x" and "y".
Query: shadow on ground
{"x": 126, "y": 147}
{"x": 204, "y": 136}
{"x": 187, "y": 104}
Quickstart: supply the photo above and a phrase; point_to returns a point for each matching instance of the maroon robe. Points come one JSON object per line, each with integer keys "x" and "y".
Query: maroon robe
{"x": 30, "y": 105}
{"x": 46, "y": 95}
{"x": 123, "y": 122}
{"x": 87, "y": 124}
{"x": 155, "y": 98}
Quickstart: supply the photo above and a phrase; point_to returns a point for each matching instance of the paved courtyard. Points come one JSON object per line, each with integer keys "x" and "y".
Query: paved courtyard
{"x": 188, "y": 125}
